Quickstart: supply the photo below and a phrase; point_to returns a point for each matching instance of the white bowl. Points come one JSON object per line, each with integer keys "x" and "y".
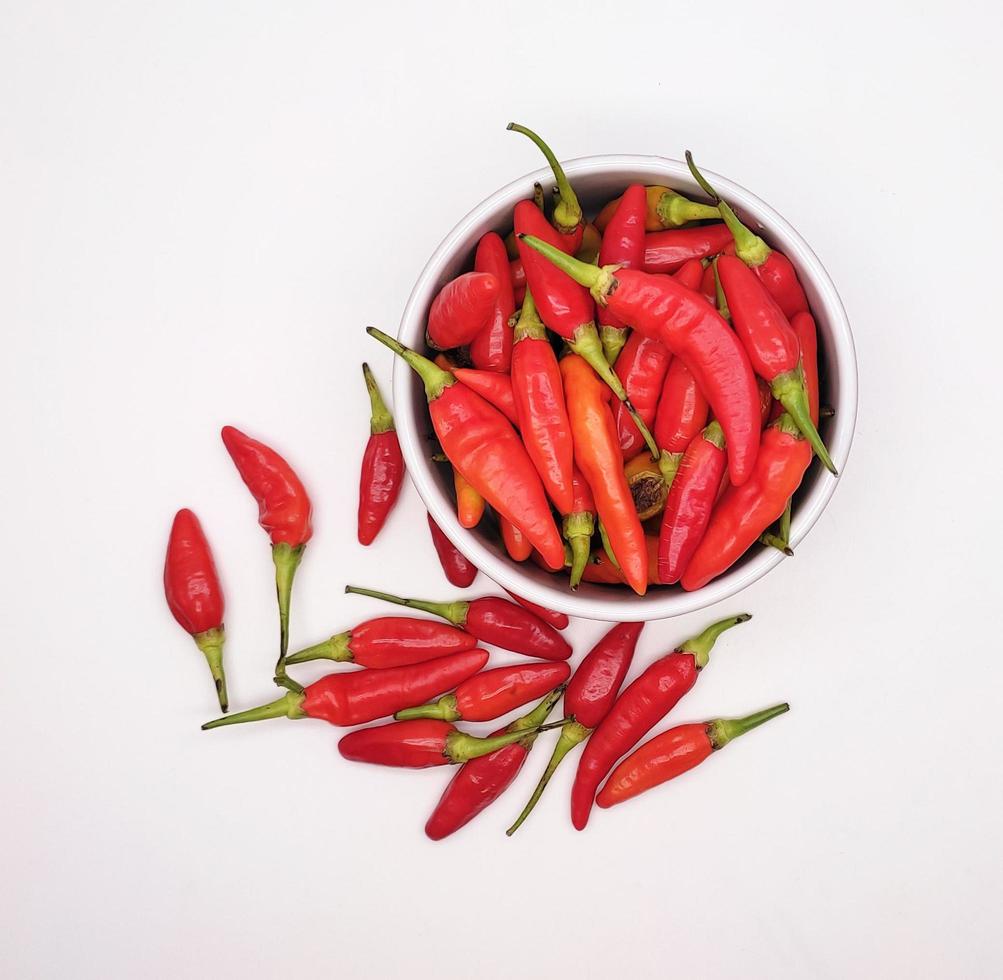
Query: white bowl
{"x": 596, "y": 180}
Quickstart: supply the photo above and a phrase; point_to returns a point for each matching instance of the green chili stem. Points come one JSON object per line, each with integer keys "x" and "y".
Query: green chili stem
{"x": 380, "y": 419}
{"x": 287, "y": 706}
{"x": 454, "y": 612}
{"x": 432, "y": 376}
{"x": 286, "y": 559}
{"x": 211, "y": 644}
{"x": 724, "y": 730}
{"x": 334, "y": 648}
{"x": 568, "y": 212}
{"x": 702, "y": 644}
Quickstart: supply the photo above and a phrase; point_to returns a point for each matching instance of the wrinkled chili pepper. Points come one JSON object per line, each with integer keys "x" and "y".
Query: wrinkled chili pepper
{"x": 461, "y": 310}
{"x": 459, "y": 570}
{"x": 682, "y": 413}
{"x": 516, "y": 544}
{"x": 382, "y": 466}
{"x": 469, "y": 503}
{"x": 194, "y": 594}
{"x": 491, "y": 386}
{"x": 674, "y": 752}
{"x": 744, "y": 512}
{"x": 641, "y": 367}
{"x": 357, "y": 696}
{"x": 667, "y": 251}
{"x": 579, "y": 525}
{"x": 645, "y": 701}
{"x": 665, "y": 209}
{"x": 481, "y": 443}
{"x": 600, "y": 570}
{"x": 284, "y": 512}
{"x": 492, "y": 620}
{"x": 660, "y": 307}
{"x": 588, "y": 698}
{"x": 558, "y": 620}
{"x": 647, "y": 485}
{"x": 597, "y": 454}
{"x": 492, "y": 693}
{"x": 491, "y": 348}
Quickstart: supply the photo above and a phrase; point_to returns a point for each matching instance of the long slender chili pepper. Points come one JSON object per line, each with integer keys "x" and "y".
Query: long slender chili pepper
{"x": 194, "y": 594}
{"x": 284, "y": 512}
{"x": 600, "y": 569}
{"x": 648, "y": 699}
{"x": 660, "y": 307}
{"x": 588, "y": 698}
{"x": 357, "y": 696}
{"x": 622, "y": 244}
{"x": 674, "y": 752}
{"x": 744, "y": 512}
{"x": 491, "y": 386}
{"x": 459, "y": 570}
{"x": 382, "y": 466}
{"x": 641, "y": 367}
{"x": 597, "y": 453}
{"x": 667, "y": 251}
{"x": 469, "y": 503}
{"x": 492, "y": 693}
{"x": 647, "y": 485}
{"x": 580, "y": 525}
{"x": 492, "y": 620}
{"x": 461, "y": 310}
{"x": 481, "y": 781}
{"x": 516, "y": 543}
{"x": 665, "y": 209}
{"x": 682, "y": 413}
{"x": 389, "y": 641}
{"x": 491, "y": 348}
{"x": 558, "y": 620}
{"x": 690, "y": 502}
{"x": 481, "y": 443}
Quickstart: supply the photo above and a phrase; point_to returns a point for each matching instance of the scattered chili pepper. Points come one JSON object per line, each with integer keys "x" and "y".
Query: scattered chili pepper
{"x": 690, "y": 274}
{"x": 284, "y": 512}
{"x": 492, "y": 620}
{"x": 491, "y": 386}
{"x": 558, "y": 620}
{"x": 194, "y": 594}
{"x": 491, "y": 348}
{"x": 461, "y": 310}
{"x": 667, "y": 251}
{"x": 358, "y": 696}
{"x": 516, "y": 544}
{"x": 588, "y": 698}
{"x": 674, "y": 752}
{"x": 382, "y": 466}
{"x": 665, "y": 209}
{"x": 601, "y": 570}
{"x": 682, "y": 413}
{"x": 459, "y": 570}
{"x": 641, "y": 367}
{"x": 647, "y": 486}
{"x": 469, "y": 503}
{"x": 484, "y": 447}
{"x": 648, "y": 699}
{"x": 579, "y": 525}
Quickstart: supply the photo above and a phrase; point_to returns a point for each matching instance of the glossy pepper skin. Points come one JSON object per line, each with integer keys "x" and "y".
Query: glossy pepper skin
{"x": 359, "y": 696}
{"x": 459, "y": 570}
{"x": 665, "y": 209}
{"x": 469, "y": 503}
{"x": 481, "y": 443}
{"x": 389, "y": 641}
{"x": 579, "y": 526}
{"x": 641, "y": 367}
{"x": 492, "y": 620}
{"x": 517, "y": 273}
{"x": 803, "y": 325}
{"x": 744, "y": 513}
{"x": 588, "y": 698}
{"x": 553, "y": 618}
{"x": 491, "y": 386}
{"x": 690, "y": 274}
{"x": 648, "y": 699}
{"x": 597, "y": 454}
{"x": 492, "y": 693}
{"x": 491, "y": 348}
{"x": 516, "y": 544}
{"x": 194, "y": 594}
{"x": 674, "y": 752}
{"x": 667, "y": 251}
{"x": 600, "y": 570}
{"x": 461, "y": 310}
{"x": 682, "y": 413}
{"x": 382, "y": 466}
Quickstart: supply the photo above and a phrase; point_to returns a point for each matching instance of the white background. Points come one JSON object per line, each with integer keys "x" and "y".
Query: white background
{"x": 201, "y": 206}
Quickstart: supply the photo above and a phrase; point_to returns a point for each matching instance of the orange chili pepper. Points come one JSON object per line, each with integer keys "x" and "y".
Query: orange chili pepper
{"x": 516, "y": 544}
{"x": 469, "y": 503}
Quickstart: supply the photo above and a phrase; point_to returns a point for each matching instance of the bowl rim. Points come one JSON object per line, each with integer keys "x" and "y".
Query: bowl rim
{"x": 657, "y": 604}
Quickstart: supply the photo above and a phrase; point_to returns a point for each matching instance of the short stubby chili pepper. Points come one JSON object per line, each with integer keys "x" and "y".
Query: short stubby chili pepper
{"x": 461, "y": 310}
{"x": 659, "y": 307}
{"x": 481, "y": 781}
{"x": 389, "y": 641}
{"x": 772, "y": 346}
{"x": 641, "y": 367}
{"x": 284, "y": 511}
{"x": 623, "y": 245}
{"x": 382, "y": 466}
{"x": 600, "y": 570}
{"x": 491, "y": 349}
{"x": 481, "y": 443}
{"x": 597, "y": 453}
{"x": 644, "y": 703}
{"x": 492, "y": 693}
{"x": 743, "y": 513}
{"x": 682, "y": 413}
{"x": 558, "y": 620}
{"x": 690, "y": 274}
{"x": 690, "y": 502}
{"x": 491, "y": 386}
{"x": 647, "y": 486}
{"x": 539, "y": 398}
{"x": 469, "y": 503}
{"x": 492, "y": 620}
{"x": 674, "y": 752}
{"x": 665, "y": 209}
{"x": 194, "y": 594}
{"x": 668, "y": 251}
{"x": 358, "y": 696}
{"x": 588, "y": 698}
{"x": 580, "y": 525}
{"x": 459, "y": 570}
{"x": 516, "y": 544}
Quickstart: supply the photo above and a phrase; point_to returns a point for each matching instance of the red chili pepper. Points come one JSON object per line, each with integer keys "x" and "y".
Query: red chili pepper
{"x": 491, "y": 348}
{"x": 518, "y": 274}
{"x": 491, "y": 386}
{"x": 690, "y": 274}
{"x": 648, "y": 699}
{"x": 481, "y": 781}
{"x": 469, "y": 503}
{"x": 588, "y": 698}
{"x": 389, "y": 641}
{"x": 708, "y": 285}
{"x": 803, "y": 325}
{"x": 461, "y": 310}
{"x": 666, "y": 209}
{"x": 492, "y": 693}
{"x": 284, "y": 512}
{"x": 601, "y": 570}
{"x": 492, "y": 620}
{"x": 358, "y": 696}
{"x": 660, "y": 307}
{"x": 690, "y": 502}
{"x": 194, "y": 594}
{"x": 682, "y": 413}
{"x": 674, "y": 752}
{"x": 460, "y": 571}
{"x": 766, "y": 402}
{"x": 667, "y": 251}
{"x": 481, "y": 443}
{"x": 518, "y": 548}
{"x": 580, "y": 525}
{"x": 382, "y": 466}
{"x": 556, "y": 619}
{"x": 622, "y": 244}
{"x": 744, "y": 512}
{"x": 641, "y": 367}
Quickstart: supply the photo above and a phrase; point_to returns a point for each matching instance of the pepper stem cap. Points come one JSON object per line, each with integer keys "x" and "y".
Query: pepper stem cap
{"x": 702, "y": 644}
{"x": 445, "y": 709}
{"x": 724, "y": 730}
{"x": 432, "y": 376}
{"x": 567, "y": 212}
{"x": 210, "y": 643}
{"x": 287, "y": 559}
{"x": 287, "y": 706}
{"x": 380, "y": 418}
{"x": 788, "y": 389}
{"x": 334, "y": 648}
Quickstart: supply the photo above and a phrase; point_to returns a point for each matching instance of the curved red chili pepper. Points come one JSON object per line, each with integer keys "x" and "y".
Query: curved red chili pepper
{"x": 459, "y": 570}
{"x": 491, "y": 386}
{"x": 461, "y": 310}
{"x": 580, "y": 525}
{"x": 481, "y": 443}
{"x": 194, "y": 594}
{"x": 648, "y": 699}
{"x": 623, "y": 245}
{"x": 491, "y": 348}
{"x": 641, "y": 367}
{"x": 558, "y": 620}
{"x": 492, "y": 620}
{"x": 518, "y": 548}
{"x": 690, "y": 274}
{"x": 667, "y": 251}
{"x": 382, "y": 466}
{"x": 682, "y": 413}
